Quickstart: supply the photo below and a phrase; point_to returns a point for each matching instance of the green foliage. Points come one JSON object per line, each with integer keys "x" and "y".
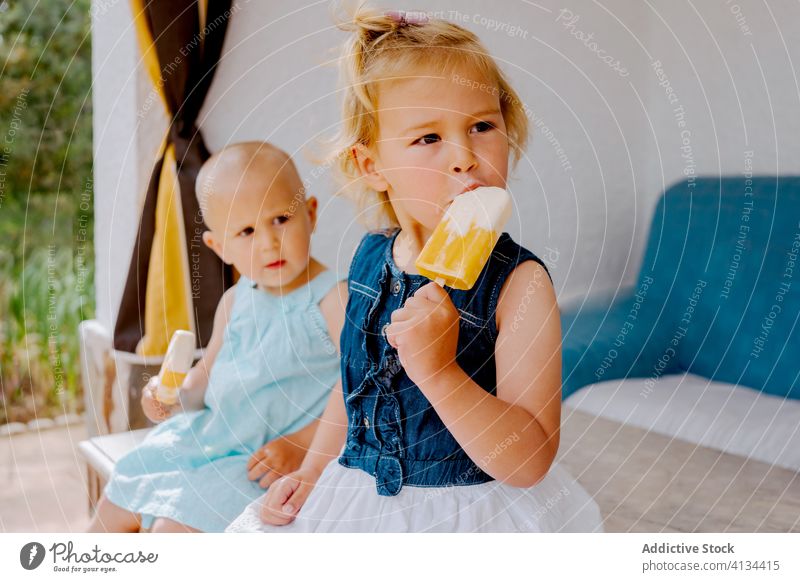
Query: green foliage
{"x": 46, "y": 220}
{"x": 46, "y": 290}
{"x": 45, "y": 101}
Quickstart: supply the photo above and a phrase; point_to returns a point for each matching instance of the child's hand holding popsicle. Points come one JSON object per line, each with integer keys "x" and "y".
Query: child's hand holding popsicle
{"x": 153, "y": 408}
{"x": 160, "y": 396}
{"x": 425, "y": 333}
{"x": 425, "y": 330}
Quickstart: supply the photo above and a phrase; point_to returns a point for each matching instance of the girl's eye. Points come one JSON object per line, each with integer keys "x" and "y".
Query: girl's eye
{"x": 283, "y": 219}
{"x": 245, "y": 232}
{"x": 427, "y": 139}
{"x": 483, "y": 126}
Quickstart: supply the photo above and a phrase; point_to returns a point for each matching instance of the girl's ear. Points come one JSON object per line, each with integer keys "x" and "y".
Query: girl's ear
{"x": 311, "y": 207}
{"x": 211, "y": 242}
{"x": 365, "y": 160}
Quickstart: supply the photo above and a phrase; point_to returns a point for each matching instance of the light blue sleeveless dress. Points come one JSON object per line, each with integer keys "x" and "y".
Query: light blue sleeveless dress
{"x": 272, "y": 376}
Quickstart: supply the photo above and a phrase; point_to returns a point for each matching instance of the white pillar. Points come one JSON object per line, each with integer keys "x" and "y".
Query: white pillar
{"x": 128, "y": 127}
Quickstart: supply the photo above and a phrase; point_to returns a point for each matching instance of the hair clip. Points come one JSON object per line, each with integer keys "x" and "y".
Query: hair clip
{"x": 403, "y": 18}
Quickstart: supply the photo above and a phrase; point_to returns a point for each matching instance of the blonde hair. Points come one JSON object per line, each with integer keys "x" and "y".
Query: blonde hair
{"x": 382, "y": 46}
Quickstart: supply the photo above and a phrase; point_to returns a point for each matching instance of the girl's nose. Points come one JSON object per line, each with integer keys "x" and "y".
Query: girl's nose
{"x": 463, "y": 160}
{"x": 268, "y": 239}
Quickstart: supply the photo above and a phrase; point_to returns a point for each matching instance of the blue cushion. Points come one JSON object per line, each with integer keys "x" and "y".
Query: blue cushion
{"x": 609, "y": 340}
{"x": 723, "y": 297}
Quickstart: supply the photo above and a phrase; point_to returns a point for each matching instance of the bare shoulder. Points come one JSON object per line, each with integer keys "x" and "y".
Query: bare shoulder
{"x": 229, "y": 296}
{"x": 528, "y": 349}
{"x": 526, "y": 295}
{"x": 226, "y": 304}
{"x": 332, "y": 307}
{"x": 221, "y": 318}
{"x": 223, "y": 313}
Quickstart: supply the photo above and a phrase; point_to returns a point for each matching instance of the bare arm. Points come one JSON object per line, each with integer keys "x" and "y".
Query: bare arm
{"x": 305, "y": 452}
{"x": 512, "y": 436}
{"x": 197, "y": 378}
{"x": 303, "y": 437}
{"x": 196, "y": 381}
{"x": 330, "y": 434}
{"x": 332, "y": 430}
{"x": 285, "y": 498}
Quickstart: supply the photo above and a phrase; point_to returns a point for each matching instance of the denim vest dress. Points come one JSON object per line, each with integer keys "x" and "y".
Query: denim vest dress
{"x": 393, "y": 431}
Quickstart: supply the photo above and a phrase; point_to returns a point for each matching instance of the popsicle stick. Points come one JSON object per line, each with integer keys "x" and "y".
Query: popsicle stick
{"x": 439, "y": 281}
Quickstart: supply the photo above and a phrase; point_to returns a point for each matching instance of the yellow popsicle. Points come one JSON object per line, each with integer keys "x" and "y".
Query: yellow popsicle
{"x": 462, "y": 242}
{"x": 177, "y": 362}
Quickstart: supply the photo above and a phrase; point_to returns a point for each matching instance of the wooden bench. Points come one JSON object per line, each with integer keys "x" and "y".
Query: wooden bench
{"x": 102, "y": 453}
{"x": 112, "y": 387}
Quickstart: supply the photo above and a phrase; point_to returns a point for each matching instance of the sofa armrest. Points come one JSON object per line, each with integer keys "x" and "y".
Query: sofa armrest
{"x": 608, "y": 339}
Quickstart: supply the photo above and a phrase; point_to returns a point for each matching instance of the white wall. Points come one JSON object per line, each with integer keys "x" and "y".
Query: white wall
{"x": 734, "y": 67}
{"x": 128, "y": 128}
{"x": 586, "y": 213}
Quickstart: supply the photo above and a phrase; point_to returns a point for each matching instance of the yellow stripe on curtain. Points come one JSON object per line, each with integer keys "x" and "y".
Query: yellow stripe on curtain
{"x": 167, "y": 303}
{"x": 149, "y": 55}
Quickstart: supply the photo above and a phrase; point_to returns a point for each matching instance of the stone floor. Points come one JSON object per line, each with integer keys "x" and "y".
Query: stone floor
{"x": 42, "y": 481}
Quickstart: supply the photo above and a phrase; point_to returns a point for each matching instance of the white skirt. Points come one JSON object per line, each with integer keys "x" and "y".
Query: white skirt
{"x": 345, "y": 500}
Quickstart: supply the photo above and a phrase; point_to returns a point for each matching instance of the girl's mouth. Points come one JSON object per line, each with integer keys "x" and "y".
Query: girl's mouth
{"x": 276, "y": 264}
{"x": 469, "y": 187}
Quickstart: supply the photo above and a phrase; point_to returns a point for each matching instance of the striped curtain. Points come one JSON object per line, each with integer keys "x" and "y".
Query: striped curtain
{"x": 174, "y": 282}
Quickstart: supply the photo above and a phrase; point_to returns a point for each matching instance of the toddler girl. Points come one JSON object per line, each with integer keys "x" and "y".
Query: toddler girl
{"x": 448, "y": 418}
{"x": 272, "y": 359}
